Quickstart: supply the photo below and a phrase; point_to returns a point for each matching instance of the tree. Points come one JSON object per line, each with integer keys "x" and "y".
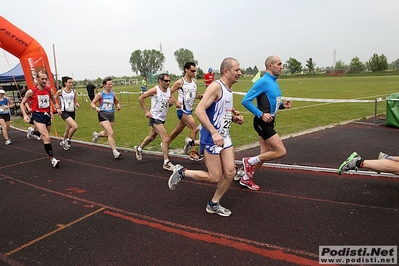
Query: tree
{"x": 249, "y": 71}
{"x": 356, "y": 66}
{"x": 147, "y": 61}
{"x": 293, "y": 65}
{"x": 310, "y": 64}
{"x": 378, "y": 63}
{"x": 200, "y": 73}
{"x": 255, "y": 71}
{"x": 183, "y": 56}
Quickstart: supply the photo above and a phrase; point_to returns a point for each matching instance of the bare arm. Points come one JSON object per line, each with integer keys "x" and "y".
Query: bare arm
{"x": 149, "y": 93}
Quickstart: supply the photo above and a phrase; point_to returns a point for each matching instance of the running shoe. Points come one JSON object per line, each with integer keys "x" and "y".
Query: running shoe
{"x": 168, "y": 166}
{"x": 139, "y": 157}
{"x": 36, "y": 137}
{"x": 249, "y": 184}
{"x": 175, "y": 177}
{"x": 383, "y": 156}
{"x": 55, "y": 162}
{"x": 95, "y": 137}
{"x": 239, "y": 173}
{"x": 116, "y": 154}
{"x": 29, "y": 135}
{"x": 349, "y": 164}
{"x": 8, "y": 142}
{"x": 218, "y": 209}
{"x": 194, "y": 156}
{"x": 248, "y": 169}
{"x": 188, "y": 144}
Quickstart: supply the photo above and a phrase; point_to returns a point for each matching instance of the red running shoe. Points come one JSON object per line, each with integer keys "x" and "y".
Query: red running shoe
{"x": 249, "y": 184}
{"x": 247, "y": 167}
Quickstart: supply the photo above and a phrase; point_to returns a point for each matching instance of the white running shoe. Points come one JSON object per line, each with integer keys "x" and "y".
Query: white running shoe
{"x": 30, "y": 132}
{"x": 168, "y": 166}
{"x": 139, "y": 156}
{"x": 188, "y": 144}
{"x": 95, "y": 137}
{"x": 55, "y": 162}
{"x": 116, "y": 154}
{"x": 8, "y": 142}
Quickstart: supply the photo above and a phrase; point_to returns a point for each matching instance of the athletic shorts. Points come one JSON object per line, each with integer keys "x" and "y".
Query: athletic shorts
{"x": 215, "y": 149}
{"x": 106, "y": 116}
{"x": 65, "y": 115}
{"x": 264, "y": 129}
{"x": 6, "y": 117}
{"x": 153, "y": 121}
{"x": 42, "y": 118}
{"x": 91, "y": 97}
{"x": 181, "y": 112}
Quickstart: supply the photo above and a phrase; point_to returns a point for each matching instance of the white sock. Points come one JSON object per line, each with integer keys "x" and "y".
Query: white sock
{"x": 165, "y": 161}
{"x": 254, "y": 160}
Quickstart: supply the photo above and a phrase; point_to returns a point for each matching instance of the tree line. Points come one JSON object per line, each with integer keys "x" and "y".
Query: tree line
{"x": 149, "y": 62}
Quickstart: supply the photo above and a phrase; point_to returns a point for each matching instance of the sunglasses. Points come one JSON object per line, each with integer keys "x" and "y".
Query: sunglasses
{"x": 193, "y": 70}
{"x": 166, "y": 80}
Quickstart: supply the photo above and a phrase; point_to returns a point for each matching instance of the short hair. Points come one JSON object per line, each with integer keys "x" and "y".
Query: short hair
{"x": 106, "y": 80}
{"x": 188, "y": 65}
{"x": 270, "y": 60}
{"x": 162, "y": 76}
{"x": 41, "y": 72}
{"x": 227, "y": 63}
{"x": 65, "y": 79}
{"x": 89, "y": 82}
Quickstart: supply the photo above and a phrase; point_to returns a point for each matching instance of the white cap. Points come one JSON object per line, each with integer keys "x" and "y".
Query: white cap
{"x": 2, "y": 91}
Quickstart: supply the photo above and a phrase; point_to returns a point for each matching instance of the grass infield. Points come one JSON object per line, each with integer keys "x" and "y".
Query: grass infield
{"x": 131, "y": 125}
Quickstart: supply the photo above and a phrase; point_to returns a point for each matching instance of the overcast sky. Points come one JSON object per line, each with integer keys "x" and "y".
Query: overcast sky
{"x": 96, "y": 38}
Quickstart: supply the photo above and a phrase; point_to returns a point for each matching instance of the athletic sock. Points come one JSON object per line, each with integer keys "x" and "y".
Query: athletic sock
{"x": 254, "y": 160}
{"x": 49, "y": 149}
{"x": 359, "y": 164}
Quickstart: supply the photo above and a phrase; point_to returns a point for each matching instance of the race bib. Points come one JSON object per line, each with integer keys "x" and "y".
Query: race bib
{"x": 164, "y": 103}
{"x": 278, "y": 102}
{"x": 43, "y": 101}
{"x": 69, "y": 105}
{"x": 226, "y": 123}
{"x": 107, "y": 105}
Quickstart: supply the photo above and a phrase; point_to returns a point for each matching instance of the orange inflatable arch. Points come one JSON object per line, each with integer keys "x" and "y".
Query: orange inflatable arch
{"x": 31, "y": 54}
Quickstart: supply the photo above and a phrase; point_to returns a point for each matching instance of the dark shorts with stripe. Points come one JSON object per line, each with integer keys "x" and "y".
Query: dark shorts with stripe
{"x": 264, "y": 129}
{"x": 106, "y": 116}
{"x": 6, "y": 117}
{"x": 153, "y": 121}
{"x": 65, "y": 115}
{"x": 42, "y": 118}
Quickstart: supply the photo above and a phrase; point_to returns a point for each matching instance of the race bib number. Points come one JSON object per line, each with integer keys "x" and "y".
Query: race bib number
{"x": 226, "y": 123}
{"x": 278, "y": 102}
{"x": 164, "y": 103}
{"x": 108, "y": 105}
{"x": 43, "y": 101}
{"x": 69, "y": 105}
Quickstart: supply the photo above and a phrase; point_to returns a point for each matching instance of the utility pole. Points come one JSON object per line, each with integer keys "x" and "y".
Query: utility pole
{"x": 335, "y": 59}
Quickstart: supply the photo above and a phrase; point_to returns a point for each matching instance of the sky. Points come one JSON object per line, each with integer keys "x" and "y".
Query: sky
{"x": 94, "y": 39}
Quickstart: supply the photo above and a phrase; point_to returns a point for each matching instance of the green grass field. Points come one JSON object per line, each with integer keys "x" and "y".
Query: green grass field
{"x": 131, "y": 126}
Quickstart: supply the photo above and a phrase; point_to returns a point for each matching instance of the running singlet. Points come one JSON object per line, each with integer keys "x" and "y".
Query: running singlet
{"x": 187, "y": 94}
{"x": 3, "y": 109}
{"x": 40, "y": 100}
{"x": 107, "y": 102}
{"x": 160, "y": 104}
{"x": 67, "y": 100}
{"x": 220, "y": 114}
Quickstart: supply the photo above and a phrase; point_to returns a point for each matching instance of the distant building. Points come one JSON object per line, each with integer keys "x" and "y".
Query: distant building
{"x": 336, "y": 72}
